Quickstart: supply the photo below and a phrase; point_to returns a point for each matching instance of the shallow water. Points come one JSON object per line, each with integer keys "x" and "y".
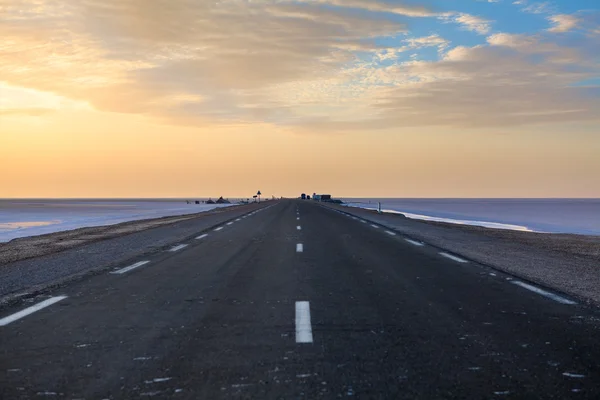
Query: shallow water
{"x": 541, "y": 215}
{"x": 21, "y": 218}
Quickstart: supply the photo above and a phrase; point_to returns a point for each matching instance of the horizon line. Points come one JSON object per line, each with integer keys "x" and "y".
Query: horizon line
{"x": 192, "y": 198}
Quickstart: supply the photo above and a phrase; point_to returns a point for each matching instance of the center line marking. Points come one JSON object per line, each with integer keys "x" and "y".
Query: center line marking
{"x": 375, "y": 226}
{"x": 230, "y": 223}
{"x": 127, "y": 269}
{"x": 363, "y": 221}
{"x": 299, "y": 227}
{"x": 299, "y": 248}
{"x": 454, "y": 258}
{"x": 414, "y": 242}
{"x": 544, "y": 293}
{"x": 202, "y": 236}
{"x": 390, "y": 233}
{"x": 303, "y": 326}
{"x": 238, "y": 220}
{"x": 177, "y": 248}
{"x": 218, "y": 229}
{"x": 30, "y": 310}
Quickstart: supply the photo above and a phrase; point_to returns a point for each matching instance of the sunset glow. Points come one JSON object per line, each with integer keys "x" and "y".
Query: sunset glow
{"x": 366, "y": 98}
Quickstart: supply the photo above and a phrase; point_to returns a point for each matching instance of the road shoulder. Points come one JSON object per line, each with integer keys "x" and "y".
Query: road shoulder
{"x": 566, "y": 263}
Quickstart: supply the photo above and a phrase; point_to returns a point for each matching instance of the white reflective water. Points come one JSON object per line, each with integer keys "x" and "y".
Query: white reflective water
{"x": 580, "y": 216}
{"x": 21, "y": 218}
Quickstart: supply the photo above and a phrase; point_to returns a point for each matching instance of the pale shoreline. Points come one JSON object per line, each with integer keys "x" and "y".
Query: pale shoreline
{"x": 568, "y": 216}
{"x": 453, "y": 221}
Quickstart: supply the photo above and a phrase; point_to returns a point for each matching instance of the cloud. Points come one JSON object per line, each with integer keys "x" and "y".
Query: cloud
{"x": 31, "y": 112}
{"x": 563, "y": 22}
{"x": 537, "y": 7}
{"x": 320, "y": 64}
{"x": 516, "y": 80}
{"x": 427, "y": 41}
{"x": 469, "y": 22}
{"x": 379, "y": 6}
{"x": 511, "y": 40}
{"x": 128, "y": 56}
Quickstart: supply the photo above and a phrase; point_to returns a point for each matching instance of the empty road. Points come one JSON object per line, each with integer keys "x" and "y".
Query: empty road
{"x": 293, "y": 301}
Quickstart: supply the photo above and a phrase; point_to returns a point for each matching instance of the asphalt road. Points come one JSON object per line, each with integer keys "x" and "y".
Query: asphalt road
{"x": 299, "y": 301}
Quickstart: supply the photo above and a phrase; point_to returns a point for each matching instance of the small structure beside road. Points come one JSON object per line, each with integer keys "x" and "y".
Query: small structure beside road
{"x": 325, "y": 198}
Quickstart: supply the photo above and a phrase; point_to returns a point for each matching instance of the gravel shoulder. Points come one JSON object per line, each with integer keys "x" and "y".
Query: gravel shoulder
{"x": 564, "y": 262}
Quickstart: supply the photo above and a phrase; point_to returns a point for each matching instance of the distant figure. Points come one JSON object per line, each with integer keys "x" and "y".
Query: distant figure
{"x": 197, "y": 201}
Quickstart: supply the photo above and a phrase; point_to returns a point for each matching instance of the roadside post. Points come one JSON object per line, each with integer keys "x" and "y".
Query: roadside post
{"x": 379, "y": 207}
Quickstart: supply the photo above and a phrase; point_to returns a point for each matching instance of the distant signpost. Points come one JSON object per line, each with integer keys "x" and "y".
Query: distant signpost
{"x": 258, "y": 194}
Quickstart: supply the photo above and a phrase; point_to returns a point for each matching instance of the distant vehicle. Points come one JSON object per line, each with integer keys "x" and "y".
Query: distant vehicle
{"x": 303, "y": 196}
{"x": 308, "y": 197}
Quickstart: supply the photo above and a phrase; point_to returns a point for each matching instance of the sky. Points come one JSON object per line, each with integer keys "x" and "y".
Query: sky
{"x": 357, "y": 98}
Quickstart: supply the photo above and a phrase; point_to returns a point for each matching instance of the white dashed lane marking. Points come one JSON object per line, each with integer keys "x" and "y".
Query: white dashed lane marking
{"x": 303, "y": 325}
{"x": 542, "y": 292}
{"x": 453, "y": 258}
{"x": 414, "y": 242}
{"x": 131, "y": 267}
{"x": 299, "y": 248}
{"x": 299, "y": 227}
{"x": 390, "y": 233}
{"x": 202, "y": 236}
{"x": 218, "y": 229}
{"x": 177, "y": 248}
{"x": 375, "y": 226}
{"x": 30, "y": 310}
{"x": 230, "y": 223}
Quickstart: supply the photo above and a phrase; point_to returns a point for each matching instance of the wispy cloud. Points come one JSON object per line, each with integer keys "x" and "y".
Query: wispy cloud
{"x": 538, "y": 7}
{"x": 563, "y": 22}
{"x": 320, "y": 64}
{"x": 471, "y": 22}
{"x": 379, "y": 6}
